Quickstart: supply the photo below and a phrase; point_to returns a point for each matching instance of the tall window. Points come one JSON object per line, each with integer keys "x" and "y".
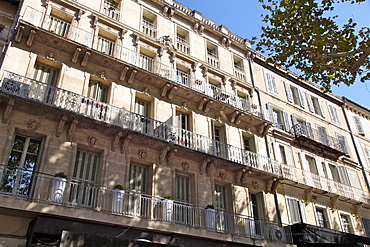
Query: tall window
{"x": 295, "y": 210}
{"x": 360, "y": 129}
{"x": 279, "y": 118}
{"x": 183, "y": 76}
{"x": 138, "y": 178}
{"x": 111, "y": 9}
{"x": 346, "y": 226}
{"x": 221, "y": 205}
{"x": 22, "y": 162}
{"x": 321, "y": 217}
{"x": 149, "y": 24}
{"x": 182, "y": 41}
{"x": 98, "y": 91}
{"x": 182, "y": 120}
{"x": 182, "y": 188}
{"x": 315, "y": 105}
{"x": 334, "y": 114}
{"x": 271, "y": 83}
{"x": 146, "y": 62}
{"x": 249, "y": 144}
{"x": 142, "y": 107}
{"x": 219, "y": 135}
{"x": 85, "y": 174}
{"x": 258, "y": 212}
{"x": 212, "y": 55}
{"x": 46, "y": 74}
{"x": 312, "y": 164}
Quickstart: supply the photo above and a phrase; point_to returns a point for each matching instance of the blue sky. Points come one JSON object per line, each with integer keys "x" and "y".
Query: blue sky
{"x": 243, "y": 17}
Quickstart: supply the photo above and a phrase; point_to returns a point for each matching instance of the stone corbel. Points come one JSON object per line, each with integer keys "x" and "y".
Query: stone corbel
{"x": 204, "y": 70}
{"x": 165, "y": 89}
{"x": 76, "y": 54}
{"x": 8, "y": 111}
{"x": 160, "y": 51}
{"x": 163, "y": 154}
{"x": 116, "y": 140}
{"x": 209, "y": 168}
{"x": 122, "y": 34}
{"x": 207, "y": 105}
{"x": 194, "y": 66}
{"x": 170, "y": 156}
{"x": 238, "y": 118}
{"x": 60, "y": 127}
{"x": 263, "y": 128}
{"x": 18, "y": 35}
{"x": 85, "y": 58}
{"x": 79, "y": 14}
{"x": 333, "y": 203}
{"x": 71, "y": 130}
{"x": 125, "y": 143}
{"x": 123, "y": 73}
{"x": 202, "y": 167}
{"x": 244, "y": 178}
{"x": 232, "y": 116}
{"x": 201, "y": 104}
{"x": 356, "y": 209}
{"x": 307, "y": 195}
{"x": 132, "y": 76}
{"x": 95, "y": 21}
{"x": 238, "y": 176}
{"x": 271, "y": 185}
{"x": 29, "y": 41}
{"x": 171, "y": 92}
{"x": 135, "y": 39}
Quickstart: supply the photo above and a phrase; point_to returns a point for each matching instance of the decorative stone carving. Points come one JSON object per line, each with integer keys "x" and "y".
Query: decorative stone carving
{"x": 207, "y": 105}
{"x": 116, "y": 140}
{"x": 201, "y": 104}
{"x": 226, "y": 42}
{"x": 102, "y": 75}
{"x": 232, "y": 116}
{"x": 165, "y": 89}
{"x": 356, "y": 209}
{"x": 145, "y": 90}
{"x": 163, "y": 154}
{"x": 333, "y": 202}
{"x": 184, "y": 105}
{"x": 194, "y": 66}
{"x": 204, "y": 70}
{"x": 33, "y": 125}
{"x": 50, "y": 55}
{"x": 95, "y": 21}
{"x": 135, "y": 39}
{"x": 91, "y": 140}
{"x": 76, "y": 54}
{"x": 123, "y": 73}
{"x": 202, "y": 167}
{"x": 8, "y": 111}
{"x": 85, "y": 58}
{"x": 72, "y": 130}
{"x": 209, "y": 168}
{"x": 132, "y": 76}
{"x": 271, "y": 185}
{"x": 122, "y": 33}
{"x": 262, "y": 129}
{"x": 60, "y": 127}
{"x": 168, "y": 11}
{"x": 18, "y": 35}
{"x": 171, "y": 92}
{"x": 29, "y": 41}
{"x": 170, "y": 156}
{"x": 125, "y": 143}
{"x": 238, "y": 175}
{"x": 222, "y": 176}
{"x": 198, "y": 28}
{"x": 307, "y": 195}
{"x": 244, "y": 177}
{"x": 255, "y": 185}
{"x": 185, "y": 166}
{"x": 238, "y": 118}
{"x": 79, "y": 13}
{"x": 142, "y": 154}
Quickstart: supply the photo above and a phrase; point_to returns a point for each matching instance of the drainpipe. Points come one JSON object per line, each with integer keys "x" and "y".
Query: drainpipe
{"x": 250, "y": 60}
{"x": 354, "y": 144}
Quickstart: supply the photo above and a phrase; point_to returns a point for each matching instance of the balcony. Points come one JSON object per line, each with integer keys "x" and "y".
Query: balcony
{"x": 182, "y": 45}
{"x": 65, "y": 193}
{"x": 149, "y": 28}
{"x": 239, "y": 73}
{"x": 308, "y": 137}
{"x": 212, "y": 59}
{"x": 126, "y": 55}
{"x": 29, "y": 89}
{"x": 110, "y": 9}
{"x": 324, "y": 184}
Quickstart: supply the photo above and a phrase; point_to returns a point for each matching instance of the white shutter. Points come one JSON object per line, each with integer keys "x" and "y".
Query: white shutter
{"x": 286, "y": 121}
{"x": 277, "y": 152}
{"x": 360, "y": 130}
{"x": 334, "y": 114}
{"x": 353, "y": 178}
{"x": 270, "y": 112}
{"x": 306, "y": 168}
{"x": 288, "y": 154}
{"x": 367, "y": 155}
{"x": 269, "y": 83}
{"x": 295, "y": 124}
{"x": 320, "y": 170}
{"x": 343, "y": 175}
{"x": 300, "y": 95}
{"x": 288, "y": 91}
{"x": 322, "y": 108}
{"x": 273, "y": 82}
{"x": 343, "y": 144}
{"x": 329, "y": 175}
{"x": 294, "y": 210}
{"x": 309, "y": 103}
{"x": 309, "y": 130}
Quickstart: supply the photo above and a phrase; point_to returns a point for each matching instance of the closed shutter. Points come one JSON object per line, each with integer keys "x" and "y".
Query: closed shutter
{"x": 296, "y": 128}
{"x": 367, "y": 154}
{"x": 322, "y": 108}
{"x": 286, "y": 121}
{"x": 343, "y": 144}
{"x": 300, "y": 95}
{"x": 321, "y": 172}
{"x": 360, "y": 130}
{"x": 309, "y": 130}
{"x": 273, "y": 82}
{"x": 270, "y": 112}
{"x": 220, "y": 196}
{"x": 323, "y": 135}
{"x": 288, "y": 91}
{"x": 288, "y": 154}
{"x": 334, "y": 114}
{"x": 277, "y": 152}
{"x": 182, "y": 188}
{"x": 294, "y": 211}
{"x": 366, "y": 224}
{"x": 353, "y": 178}
{"x": 343, "y": 175}
{"x": 46, "y": 74}
{"x": 86, "y": 167}
{"x": 269, "y": 84}
{"x": 309, "y": 103}
{"x": 306, "y": 168}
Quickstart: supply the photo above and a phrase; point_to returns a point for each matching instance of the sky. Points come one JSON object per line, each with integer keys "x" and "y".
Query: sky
{"x": 243, "y": 17}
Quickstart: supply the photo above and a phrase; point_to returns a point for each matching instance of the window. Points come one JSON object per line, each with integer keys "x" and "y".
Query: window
{"x": 279, "y": 118}
{"x": 22, "y": 161}
{"x": 149, "y": 24}
{"x": 98, "y": 91}
{"x": 212, "y": 51}
{"x": 212, "y": 55}
{"x": 367, "y": 154}
{"x": 182, "y": 120}
{"x": 345, "y": 220}
{"x": 59, "y": 26}
{"x": 295, "y": 210}
{"x": 111, "y": 9}
{"x": 182, "y": 188}
{"x": 312, "y": 164}
{"x": 294, "y": 94}
{"x": 83, "y": 191}
{"x": 46, "y": 74}
{"x": 219, "y": 137}
{"x": 258, "y": 213}
{"x": 366, "y": 224}
{"x": 353, "y": 178}
{"x": 315, "y": 105}
{"x": 142, "y": 122}
{"x": 271, "y": 83}
{"x": 334, "y": 114}
{"x": 105, "y": 45}
{"x": 343, "y": 144}
{"x": 146, "y": 62}
{"x": 334, "y": 173}
{"x": 249, "y": 144}
{"x": 239, "y": 68}
{"x": 302, "y": 127}
{"x": 183, "y": 76}
{"x": 321, "y": 217}
{"x": 182, "y": 41}
{"x": 220, "y": 200}
{"x": 138, "y": 178}
{"x": 358, "y": 124}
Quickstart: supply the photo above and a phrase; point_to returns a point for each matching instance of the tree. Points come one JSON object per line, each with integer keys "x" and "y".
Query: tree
{"x": 300, "y": 34}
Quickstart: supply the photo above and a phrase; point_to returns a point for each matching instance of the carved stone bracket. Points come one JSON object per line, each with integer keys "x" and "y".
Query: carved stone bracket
{"x": 222, "y": 176}
{"x": 122, "y": 33}
{"x": 307, "y": 195}
{"x": 79, "y": 13}
{"x": 263, "y": 128}
{"x": 244, "y": 178}
{"x": 171, "y": 92}
{"x": 185, "y": 166}
{"x": 238, "y": 176}
{"x": 271, "y": 185}
{"x": 85, "y": 58}
{"x": 165, "y": 89}
{"x": 163, "y": 154}
{"x": 72, "y": 130}
{"x": 201, "y": 104}
{"x": 209, "y": 168}
{"x": 238, "y": 118}
{"x": 19, "y": 33}
{"x": 333, "y": 202}
{"x": 29, "y": 41}
{"x": 202, "y": 167}
{"x": 132, "y": 76}
{"x": 8, "y": 111}
{"x": 356, "y": 209}
{"x": 123, "y": 73}
{"x": 60, "y": 127}
{"x": 204, "y": 70}
{"x": 207, "y": 105}
{"x": 170, "y": 156}
{"x": 168, "y": 90}
{"x": 135, "y": 39}
{"x": 116, "y": 140}
{"x": 95, "y": 21}
{"x": 76, "y": 54}
{"x": 168, "y": 12}
{"x": 226, "y": 42}
{"x": 232, "y": 116}
{"x": 198, "y": 28}
{"x": 125, "y": 143}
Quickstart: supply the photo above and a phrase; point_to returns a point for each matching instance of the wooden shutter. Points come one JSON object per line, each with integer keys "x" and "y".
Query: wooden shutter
{"x": 358, "y": 124}
{"x": 288, "y": 91}
{"x": 334, "y": 114}
{"x": 353, "y": 178}
{"x": 343, "y": 144}
{"x": 342, "y": 171}
{"x": 269, "y": 84}
{"x": 220, "y": 196}
{"x": 323, "y": 135}
{"x": 309, "y": 103}
{"x": 286, "y": 121}
{"x": 46, "y": 74}
{"x": 294, "y": 210}
{"x": 322, "y": 108}
{"x": 86, "y": 167}
{"x": 367, "y": 154}
{"x": 277, "y": 152}
{"x": 300, "y": 95}
{"x": 309, "y": 130}
{"x": 270, "y": 112}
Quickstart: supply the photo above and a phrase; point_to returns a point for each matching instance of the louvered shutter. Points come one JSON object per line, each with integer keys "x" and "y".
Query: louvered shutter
{"x": 322, "y": 108}
{"x": 269, "y": 83}
{"x": 360, "y": 130}
{"x": 343, "y": 175}
{"x": 306, "y": 168}
{"x": 353, "y": 178}
{"x": 288, "y": 91}
{"x": 343, "y": 144}
{"x": 309, "y": 130}
{"x": 334, "y": 114}
{"x": 309, "y": 103}
{"x": 270, "y": 112}
{"x": 277, "y": 152}
{"x": 300, "y": 95}
{"x": 294, "y": 210}
{"x": 286, "y": 121}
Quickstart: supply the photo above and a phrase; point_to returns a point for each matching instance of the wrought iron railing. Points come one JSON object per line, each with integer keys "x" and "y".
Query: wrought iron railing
{"x": 30, "y": 89}
{"x": 78, "y": 194}
{"x": 84, "y": 37}
{"x": 323, "y": 183}
{"x": 315, "y": 135}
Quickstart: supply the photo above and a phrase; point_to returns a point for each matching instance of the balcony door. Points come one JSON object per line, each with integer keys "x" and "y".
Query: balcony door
{"x": 183, "y": 125}
{"x": 222, "y": 219}
{"x": 138, "y": 205}
{"x": 182, "y": 195}
{"x": 142, "y": 121}
{"x": 255, "y": 225}
{"x": 18, "y": 176}
{"x": 48, "y": 76}
{"x": 84, "y": 179}
{"x": 219, "y": 143}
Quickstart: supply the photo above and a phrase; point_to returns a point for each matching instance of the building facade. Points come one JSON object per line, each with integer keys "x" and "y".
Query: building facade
{"x": 142, "y": 123}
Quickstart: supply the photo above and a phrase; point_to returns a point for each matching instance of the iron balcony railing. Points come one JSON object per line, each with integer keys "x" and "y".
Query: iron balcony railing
{"x": 323, "y": 183}
{"x": 319, "y": 137}
{"x": 73, "y": 193}
{"x": 30, "y": 89}
{"x": 86, "y": 38}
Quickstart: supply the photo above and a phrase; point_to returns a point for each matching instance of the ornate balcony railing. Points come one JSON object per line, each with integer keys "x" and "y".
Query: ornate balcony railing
{"x": 182, "y": 45}
{"x": 323, "y": 183}
{"x": 302, "y": 131}
{"x": 149, "y": 28}
{"x": 30, "y": 89}
{"x": 73, "y": 193}
{"x": 84, "y": 37}
{"x": 110, "y": 10}
{"x": 212, "y": 60}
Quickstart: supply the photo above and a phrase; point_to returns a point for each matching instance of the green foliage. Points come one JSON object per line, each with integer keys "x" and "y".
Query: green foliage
{"x": 299, "y": 34}
{"x": 60, "y": 175}
{"x": 168, "y": 197}
{"x": 118, "y": 187}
